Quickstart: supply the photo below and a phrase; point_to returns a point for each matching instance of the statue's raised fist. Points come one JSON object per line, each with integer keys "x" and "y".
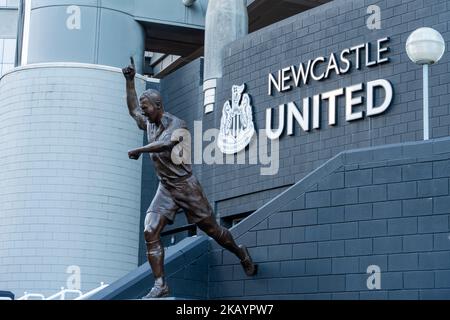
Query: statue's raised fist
{"x": 130, "y": 71}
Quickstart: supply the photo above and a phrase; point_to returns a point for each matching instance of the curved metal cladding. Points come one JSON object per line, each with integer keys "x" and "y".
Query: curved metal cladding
{"x": 69, "y": 195}
{"x": 88, "y": 31}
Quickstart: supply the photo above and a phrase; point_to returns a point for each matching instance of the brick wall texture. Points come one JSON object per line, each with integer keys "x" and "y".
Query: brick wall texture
{"x": 319, "y": 32}
{"x": 69, "y": 195}
{"x": 388, "y": 207}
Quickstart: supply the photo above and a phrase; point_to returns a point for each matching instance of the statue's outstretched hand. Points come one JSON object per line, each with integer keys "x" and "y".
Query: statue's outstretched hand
{"x": 130, "y": 71}
{"x": 134, "y": 154}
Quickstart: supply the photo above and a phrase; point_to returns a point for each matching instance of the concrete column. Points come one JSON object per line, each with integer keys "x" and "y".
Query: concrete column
{"x": 226, "y": 21}
{"x": 69, "y": 195}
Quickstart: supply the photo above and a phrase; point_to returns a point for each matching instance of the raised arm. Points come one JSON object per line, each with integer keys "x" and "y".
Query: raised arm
{"x": 132, "y": 99}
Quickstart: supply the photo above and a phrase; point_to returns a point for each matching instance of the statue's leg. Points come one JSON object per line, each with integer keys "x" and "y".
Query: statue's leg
{"x": 154, "y": 224}
{"x": 224, "y": 237}
{"x": 190, "y": 196}
{"x": 221, "y": 235}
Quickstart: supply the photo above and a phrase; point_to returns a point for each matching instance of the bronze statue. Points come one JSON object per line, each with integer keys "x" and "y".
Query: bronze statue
{"x": 178, "y": 187}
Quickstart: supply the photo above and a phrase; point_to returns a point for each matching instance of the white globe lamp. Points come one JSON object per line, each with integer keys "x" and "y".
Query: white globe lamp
{"x": 188, "y": 3}
{"x": 425, "y": 46}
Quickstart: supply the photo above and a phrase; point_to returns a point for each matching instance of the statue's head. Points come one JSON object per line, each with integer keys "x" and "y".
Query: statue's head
{"x": 151, "y": 105}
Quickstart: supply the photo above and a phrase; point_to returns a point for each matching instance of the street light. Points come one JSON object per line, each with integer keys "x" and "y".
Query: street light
{"x": 425, "y": 46}
{"x": 188, "y": 3}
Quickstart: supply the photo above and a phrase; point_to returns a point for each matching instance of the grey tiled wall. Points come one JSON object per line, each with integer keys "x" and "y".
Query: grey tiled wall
{"x": 321, "y": 31}
{"x": 384, "y": 206}
{"x": 388, "y": 207}
{"x": 69, "y": 195}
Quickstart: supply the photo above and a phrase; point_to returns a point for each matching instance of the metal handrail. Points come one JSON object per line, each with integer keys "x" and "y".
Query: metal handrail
{"x": 87, "y": 295}
{"x": 27, "y": 296}
{"x": 62, "y": 294}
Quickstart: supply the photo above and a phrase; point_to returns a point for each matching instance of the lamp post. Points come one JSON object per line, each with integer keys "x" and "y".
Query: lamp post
{"x": 425, "y": 46}
{"x": 188, "y": 3}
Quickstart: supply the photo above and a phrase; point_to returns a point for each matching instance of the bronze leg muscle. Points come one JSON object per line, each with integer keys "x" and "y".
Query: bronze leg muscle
{"x": 154, "y": 224}
{"x": 224, "y": 237}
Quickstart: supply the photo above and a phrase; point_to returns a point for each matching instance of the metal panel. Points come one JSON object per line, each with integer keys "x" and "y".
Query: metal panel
{"x": 119, "y": 38}
{"x": 48, "y": 27}
{"x": 8, "y": 23}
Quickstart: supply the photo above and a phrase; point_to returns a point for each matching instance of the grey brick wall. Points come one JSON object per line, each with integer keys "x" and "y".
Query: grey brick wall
{"x": 308, "y": 247}
{"x": 69, "y": 195}
{"x": 235, "y": 189}
{"x": 387, "y": 207}
{"x": 320, "y": 31}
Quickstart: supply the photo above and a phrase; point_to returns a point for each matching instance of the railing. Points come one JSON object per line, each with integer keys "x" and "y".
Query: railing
{"x": 87, "y": 295}
{"x": 61, "y": 295}
{"x": 32, "y": 296}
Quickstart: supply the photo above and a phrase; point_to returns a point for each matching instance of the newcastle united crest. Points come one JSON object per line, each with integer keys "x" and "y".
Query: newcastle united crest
{"x": 236, "y": 125}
